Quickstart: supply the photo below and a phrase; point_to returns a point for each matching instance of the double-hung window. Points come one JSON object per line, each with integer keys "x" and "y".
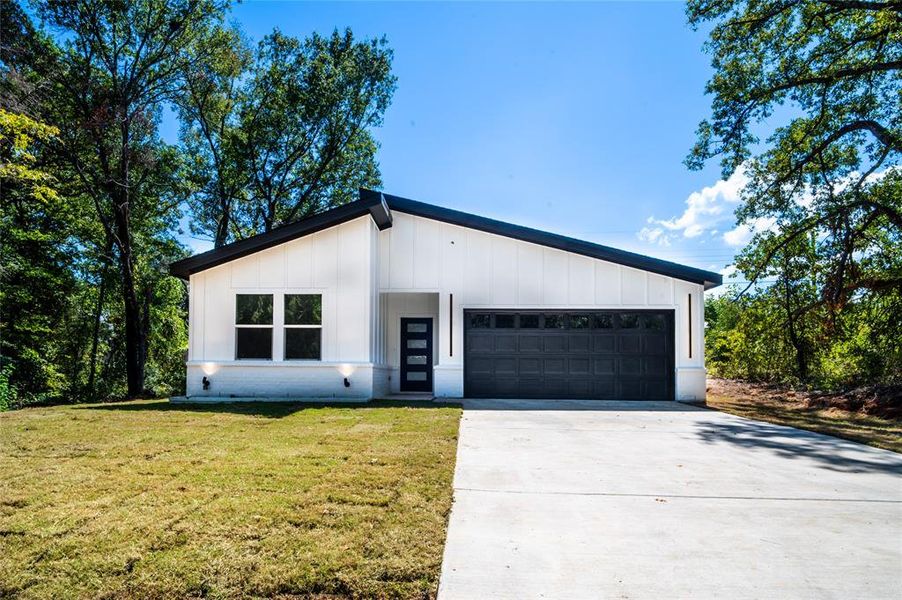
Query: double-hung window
{"x": 303, "y": 326}
{"x": 253, "y": 326}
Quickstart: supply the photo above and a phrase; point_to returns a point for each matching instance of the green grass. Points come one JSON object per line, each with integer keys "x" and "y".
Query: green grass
{"x": 867, "y": 429}
{"x": 152, "y": 500}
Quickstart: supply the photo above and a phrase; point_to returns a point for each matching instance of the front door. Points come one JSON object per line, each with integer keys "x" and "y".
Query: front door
{"x": 416, "y": 355}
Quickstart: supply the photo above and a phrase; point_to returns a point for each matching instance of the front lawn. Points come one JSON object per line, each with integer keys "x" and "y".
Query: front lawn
{"x": 152, "y": 500}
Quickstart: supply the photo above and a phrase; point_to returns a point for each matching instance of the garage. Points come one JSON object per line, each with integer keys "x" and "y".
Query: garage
{"x": 597, "y": 354}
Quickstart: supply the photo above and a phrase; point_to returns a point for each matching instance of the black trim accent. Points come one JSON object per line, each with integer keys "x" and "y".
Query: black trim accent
{"x": 373, "y": 205}
{"x": 380, "y": 205}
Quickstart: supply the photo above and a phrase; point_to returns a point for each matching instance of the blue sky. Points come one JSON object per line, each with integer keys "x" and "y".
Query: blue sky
{"x": 569, "y": 117}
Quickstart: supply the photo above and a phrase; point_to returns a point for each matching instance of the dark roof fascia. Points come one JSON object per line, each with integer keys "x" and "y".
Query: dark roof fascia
{"x": 630, "y": 259}
{"x": 373, "y": 205}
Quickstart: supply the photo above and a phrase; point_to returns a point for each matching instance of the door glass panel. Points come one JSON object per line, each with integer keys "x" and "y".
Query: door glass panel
{"x": 579, "y": 321}
{"x": 603, "y": 321}
{"x": 416, "y": 376}
{"x": 629, "y": 321}
{"x": 504, "y": 321}
{"x": 416, "y": 343}
{"x": 554, "y": 321}
{"x": 529, "y": 321}
{"x": 416, "y": 360}
{"x": 416, "y": 328}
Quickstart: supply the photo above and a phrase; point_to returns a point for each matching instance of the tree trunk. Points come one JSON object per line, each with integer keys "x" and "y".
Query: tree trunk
{"x": 101, "y": 298}
{"x": 797, "y": 342}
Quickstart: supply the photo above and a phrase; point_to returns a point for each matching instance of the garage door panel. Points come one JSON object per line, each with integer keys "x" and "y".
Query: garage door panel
{"x": 579, "y": 344}
{"x": 480, "y": 342}
{"x": 655, "y": 344}
{"x": 506, "y": 366}
{"x": 630, "y": 343}
{"x": 562, "y": 354}
{"x": 530, "y": 343}
{"x": 579, "y": 366}
{"x": 630, "y": 365}
{"x": 552, "y": 343}
{"x": 530, "y": 366}
{"x": 553, "y": 366}
{"x": 605, "y": 366}
{"x": 604, "y": 344}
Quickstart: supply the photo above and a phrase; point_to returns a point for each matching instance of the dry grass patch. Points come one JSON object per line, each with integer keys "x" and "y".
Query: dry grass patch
{"x": 152, "y": 500}
{"x": 784, "y": 407}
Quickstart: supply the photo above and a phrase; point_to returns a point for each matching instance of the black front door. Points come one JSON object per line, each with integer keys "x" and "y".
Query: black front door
{"x": 416, "y": 355}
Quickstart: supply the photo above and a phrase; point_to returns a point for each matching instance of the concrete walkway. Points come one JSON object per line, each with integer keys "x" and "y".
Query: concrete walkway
{"x": 660, "y": 500}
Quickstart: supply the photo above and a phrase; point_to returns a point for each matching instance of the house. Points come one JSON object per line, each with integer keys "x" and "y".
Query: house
{"x": 386, "y": 295}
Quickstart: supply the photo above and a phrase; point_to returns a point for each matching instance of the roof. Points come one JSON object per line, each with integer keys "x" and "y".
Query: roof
{"x": 380, "y": 207}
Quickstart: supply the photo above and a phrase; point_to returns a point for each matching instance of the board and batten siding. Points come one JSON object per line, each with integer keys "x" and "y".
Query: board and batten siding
{"x": 484, "y": 270}
{"x": 337, "y": 263}
{"x": 368, "y": 279}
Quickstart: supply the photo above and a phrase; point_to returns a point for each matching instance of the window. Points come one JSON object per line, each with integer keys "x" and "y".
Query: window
{"x": 554, "y": 321}
{"x": 480, "y": 321}
{"x": 303, "y": 326}
{"x": 655, "y": 322}
{"x": 504, "y": 321}
{"x": 602, "y": 321}
{"x": 629, "y": 321}
{"x": 579, "y": 321}
{"x": 529, "y": 321}
{"x": 253, "y": 326}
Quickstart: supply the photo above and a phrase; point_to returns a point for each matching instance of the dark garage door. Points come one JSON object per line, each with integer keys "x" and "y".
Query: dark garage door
{"x": 619, "y": 355}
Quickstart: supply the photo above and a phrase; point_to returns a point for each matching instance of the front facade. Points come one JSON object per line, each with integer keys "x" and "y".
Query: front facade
{"x": 387, "y": 295}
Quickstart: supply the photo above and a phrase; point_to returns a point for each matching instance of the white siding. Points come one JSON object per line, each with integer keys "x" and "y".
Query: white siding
{"x": 370, "y": 279}
{"x": 336, "y": 263}
{"x": 486, "y": 270}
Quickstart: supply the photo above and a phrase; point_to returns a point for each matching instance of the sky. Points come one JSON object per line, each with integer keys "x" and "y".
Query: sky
{"x": 569, "y": 117}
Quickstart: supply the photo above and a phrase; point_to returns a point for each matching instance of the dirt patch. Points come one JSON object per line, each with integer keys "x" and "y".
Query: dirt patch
{"x": 884, "y": 401}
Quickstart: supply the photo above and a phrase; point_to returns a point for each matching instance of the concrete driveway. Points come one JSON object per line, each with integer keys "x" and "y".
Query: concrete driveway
{"x": 660, "y": 500}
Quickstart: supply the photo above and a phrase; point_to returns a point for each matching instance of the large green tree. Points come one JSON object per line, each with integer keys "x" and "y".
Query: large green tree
{"x": 807, "y": 99}
{"x": 119, "y": 62}
{"x": 285, "y": 131}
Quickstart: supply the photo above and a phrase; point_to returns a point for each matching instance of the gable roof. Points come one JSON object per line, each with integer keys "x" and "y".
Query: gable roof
{"x": 380, "y": 205}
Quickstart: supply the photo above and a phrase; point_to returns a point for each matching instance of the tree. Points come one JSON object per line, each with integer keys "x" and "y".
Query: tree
{"x": 208, "y": 106}
{"x": 825, "y": 192}
{"x": 286, "y": 134}
{"x": 119, "y": 62}
{"x": 838, "y": 65}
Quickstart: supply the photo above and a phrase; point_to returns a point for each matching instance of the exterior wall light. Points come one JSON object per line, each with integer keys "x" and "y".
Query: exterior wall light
{"x": 347, "y": 382}
{"x": 206, "y": 383}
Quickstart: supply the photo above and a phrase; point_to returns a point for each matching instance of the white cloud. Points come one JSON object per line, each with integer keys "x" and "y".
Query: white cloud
{"x": 704, "y": 210}
{"x": 742, "y": 234}
{"x": 654, "y": 235}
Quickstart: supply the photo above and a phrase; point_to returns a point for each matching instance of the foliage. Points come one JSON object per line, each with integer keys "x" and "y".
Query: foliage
{"x": 825, "y": 188}
{"x": 92, "y": 197}
{"x": 282, "y": 132}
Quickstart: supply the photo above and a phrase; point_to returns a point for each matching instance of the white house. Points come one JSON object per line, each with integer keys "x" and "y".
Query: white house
{"x": 387, "y": 295}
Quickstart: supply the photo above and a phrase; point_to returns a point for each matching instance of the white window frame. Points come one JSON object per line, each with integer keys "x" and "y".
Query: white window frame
{"x": 287, "y": 326}
{"x": 254, "y": 326}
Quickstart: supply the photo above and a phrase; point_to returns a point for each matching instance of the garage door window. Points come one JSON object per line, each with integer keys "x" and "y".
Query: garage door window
{"x": 655, "y": 322}
{"x": 480, "y": 321}
{"x": 579, "y": 321}
{"x": 554, "y": 321}
{"x": 505, "y": 321}
{"x": 529, "y": 321}
{"x": 602, "y": 321}
{"x": 629, "y": 321}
